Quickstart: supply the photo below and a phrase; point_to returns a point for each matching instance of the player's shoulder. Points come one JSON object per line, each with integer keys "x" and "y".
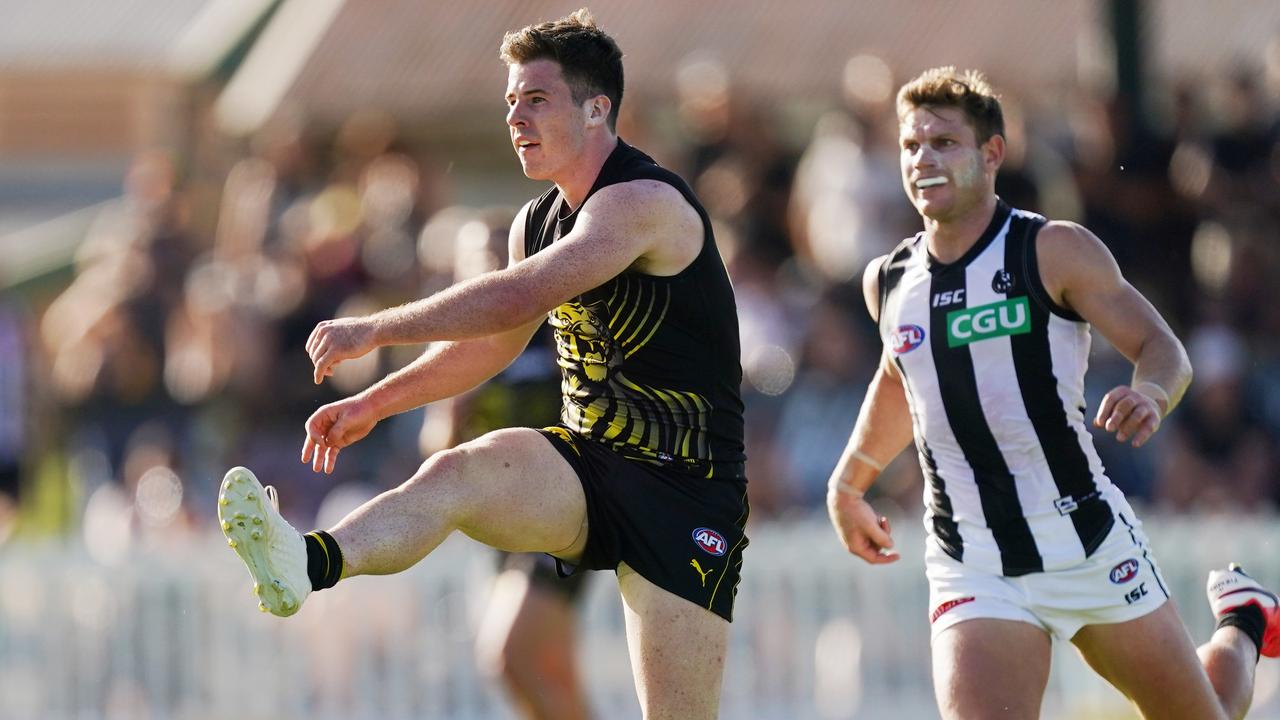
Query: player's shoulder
{"x": 1070, "y": 259}
{"x": 1064, "y": 230}
{"x": 871, "y": 285}
{"x": 1066, "y": 241}
{"x": 644, "y": 200}
{"x": 517, "y": 237}
{"x": 903, "y": 254}
{"x": 640, "y": 189}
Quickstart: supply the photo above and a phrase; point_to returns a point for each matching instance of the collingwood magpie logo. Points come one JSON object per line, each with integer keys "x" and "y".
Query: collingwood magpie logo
{"x": 1002, "y": 282}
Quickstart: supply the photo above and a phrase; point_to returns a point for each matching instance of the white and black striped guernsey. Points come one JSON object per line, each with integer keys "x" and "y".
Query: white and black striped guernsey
{"x": 994, "y": 376}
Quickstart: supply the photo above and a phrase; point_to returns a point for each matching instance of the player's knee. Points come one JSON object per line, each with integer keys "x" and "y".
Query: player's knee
{"x": 459, "y": 475}
{"x": 442, "y": 472}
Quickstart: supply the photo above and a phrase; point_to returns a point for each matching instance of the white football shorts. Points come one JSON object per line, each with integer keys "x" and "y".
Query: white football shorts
{"x": 1119, "y": 582}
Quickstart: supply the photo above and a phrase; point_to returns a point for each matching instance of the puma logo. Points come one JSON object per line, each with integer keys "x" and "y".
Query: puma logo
{"x": 694, "y": 564}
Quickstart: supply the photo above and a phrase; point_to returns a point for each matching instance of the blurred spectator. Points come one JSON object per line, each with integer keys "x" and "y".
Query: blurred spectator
{"x": 104, "y": 333}
{"x": 1222, "y": 459}
{"x": 15, "y": 436}
{"x": 847, "y": 205}
{"x": 1122, "y": 169}
{"x": 734, "y": 158}
{"x": 819, "y": 409}
{"x": 147, "y": 505}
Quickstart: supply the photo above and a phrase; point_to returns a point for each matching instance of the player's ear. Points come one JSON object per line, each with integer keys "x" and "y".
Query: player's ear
{"x": 598, "y": 109}
{"x": 993, "y": 152}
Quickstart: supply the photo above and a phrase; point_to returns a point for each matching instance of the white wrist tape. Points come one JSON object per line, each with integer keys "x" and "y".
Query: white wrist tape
{"x": 1153, "y": 391}
{"x": 867, "y": 460}
{"x": 845, "y": 488}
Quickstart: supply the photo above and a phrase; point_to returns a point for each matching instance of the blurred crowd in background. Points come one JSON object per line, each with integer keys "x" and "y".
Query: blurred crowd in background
{"x": 176, "y": 349}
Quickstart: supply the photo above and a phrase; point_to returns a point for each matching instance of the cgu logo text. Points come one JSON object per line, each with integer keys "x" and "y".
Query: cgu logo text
{"x": 1009, "y": 317}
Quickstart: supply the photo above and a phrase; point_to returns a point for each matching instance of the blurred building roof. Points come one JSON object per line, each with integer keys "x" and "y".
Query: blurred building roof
{"x": 122, "y": 33}
{"x": 159, "y": 35}
{"x": 424, "y": 59}
{"x": 84, "y": 84}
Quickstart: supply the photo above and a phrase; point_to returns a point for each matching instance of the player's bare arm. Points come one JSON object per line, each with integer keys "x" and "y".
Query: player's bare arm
{"x": 1080, "y": 274}
{"x": 883, "y": 429}
{"x": 643, "y": 224}
{"x": 443, "y": 370}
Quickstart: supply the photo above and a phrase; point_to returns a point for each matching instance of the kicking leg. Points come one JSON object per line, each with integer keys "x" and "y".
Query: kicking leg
{"x": 987, "y": 668}
{"x": 509, "y": 489}
{"x": 677, "y": 651}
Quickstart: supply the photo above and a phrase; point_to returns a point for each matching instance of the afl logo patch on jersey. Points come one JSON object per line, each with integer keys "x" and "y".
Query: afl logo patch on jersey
{"x": 1124, "y": 572}
{"x": 710, "y": 541}
{"x": 907, "y": 338}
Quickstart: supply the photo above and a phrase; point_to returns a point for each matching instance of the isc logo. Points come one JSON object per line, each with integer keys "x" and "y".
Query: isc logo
{"x": 907, "y": 338}
{"x": 1124, "y": 572}
{"x": 948, "y": 297}
{"x": 1136, "y": 594}
{"x": 710, "y": 541}
{"x": 1010, "y": 317}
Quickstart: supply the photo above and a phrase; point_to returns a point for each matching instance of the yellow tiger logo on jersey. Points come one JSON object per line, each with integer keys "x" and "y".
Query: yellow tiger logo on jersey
{"x": 583, "y": 338}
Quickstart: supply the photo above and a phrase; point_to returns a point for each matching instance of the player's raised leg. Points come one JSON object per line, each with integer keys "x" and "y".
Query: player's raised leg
{"x": 509, "y": 489}
{"x": 677, "y": 650}
{"x": 987, "y": 668}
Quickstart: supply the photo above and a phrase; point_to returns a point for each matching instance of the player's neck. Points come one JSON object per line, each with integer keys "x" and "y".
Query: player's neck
{"x": 579, "y": 178}
{"x": 950, "y": 238}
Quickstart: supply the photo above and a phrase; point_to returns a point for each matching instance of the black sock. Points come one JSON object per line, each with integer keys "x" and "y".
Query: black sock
{"x": 324, "y": 560}
{"x": 1249, "y": 620}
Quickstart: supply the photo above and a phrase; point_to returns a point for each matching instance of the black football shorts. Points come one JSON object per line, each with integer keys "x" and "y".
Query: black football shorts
{"x": 681, "y": 532}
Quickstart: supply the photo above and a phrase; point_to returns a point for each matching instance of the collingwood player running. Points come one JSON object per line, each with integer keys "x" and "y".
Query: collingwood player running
{"x": 985, "y": 318}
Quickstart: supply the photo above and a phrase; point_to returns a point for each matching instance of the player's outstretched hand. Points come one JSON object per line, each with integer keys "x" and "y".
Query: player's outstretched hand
{"x": 1129, "y": 414}
{"x": 333, "y": 341}
{"x": 334, "y": 427}
{"x": 863, "y": 532}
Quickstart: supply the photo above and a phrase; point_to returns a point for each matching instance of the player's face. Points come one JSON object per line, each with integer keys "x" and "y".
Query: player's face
{"x": 944, "y": 170}
{"x": 548, "y": 129}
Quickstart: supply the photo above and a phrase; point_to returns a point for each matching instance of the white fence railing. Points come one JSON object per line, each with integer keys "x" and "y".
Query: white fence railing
{"x": 174, "y": 633}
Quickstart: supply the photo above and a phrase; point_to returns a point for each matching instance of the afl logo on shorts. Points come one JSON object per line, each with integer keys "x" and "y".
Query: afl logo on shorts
{"x": 1124, "y": 572}
{"x": 710, "y": 541}
{"x": 907, "y": 338}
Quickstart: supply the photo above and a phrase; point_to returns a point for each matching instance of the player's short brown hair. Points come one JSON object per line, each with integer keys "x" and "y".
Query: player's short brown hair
{"x": 589, "y": 58}
{"x": 967, "y": 90}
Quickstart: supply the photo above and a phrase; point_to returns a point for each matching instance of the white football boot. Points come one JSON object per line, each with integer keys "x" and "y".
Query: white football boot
{"x": 1232, "y": 588}
{"x": 274, "y": 552}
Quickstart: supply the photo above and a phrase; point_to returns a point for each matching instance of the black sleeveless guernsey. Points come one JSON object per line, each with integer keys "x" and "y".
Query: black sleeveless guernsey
{"x": 649, "y": 364}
